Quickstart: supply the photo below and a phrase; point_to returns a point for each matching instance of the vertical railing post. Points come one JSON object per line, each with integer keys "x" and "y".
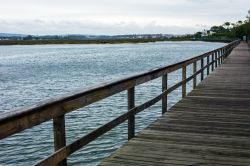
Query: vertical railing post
{"x": 131, "y": 119}
{"x": 164, "y": 98}
{"x": 184, "y": 76}
{"x": 226, "y": 49}
{"x": 194, "y": 72}
{"x": 202, "y": 70}
{"x": 219, "y": 61}
{"x": 208, "y": 64}
{"x": 59, "y": 136}
{"x": 226, "y": 52}
{"x": 216, "y": 60}
{"x": 218, "y": 57}
{"x": 213, "y": 62}
{"x": 222, "y": 54}
{"x": 231, "y": 49}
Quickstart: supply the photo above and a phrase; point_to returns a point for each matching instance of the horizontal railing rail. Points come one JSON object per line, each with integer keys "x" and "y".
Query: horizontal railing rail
{"x": 15, "y": 121}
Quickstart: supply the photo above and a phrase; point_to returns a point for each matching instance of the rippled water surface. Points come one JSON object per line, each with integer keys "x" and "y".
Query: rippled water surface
{"x": 29, "y": 74}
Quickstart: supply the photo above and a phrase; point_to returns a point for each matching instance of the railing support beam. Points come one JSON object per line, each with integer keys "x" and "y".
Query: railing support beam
{"x": 213, "y": 62}
{"x": 202, "y": 71}
{"x": 216, "y": 60}
{"x": 208, "y": 65}
{"x": 131, "y": 119}
{"x": 59, "y": 136}
{"x": 219, "y": 60}
{"x": 184, "y": 76}
{"x": 164, "y": 98}
{"x": 222, "y": 56}
{"x": 194, "y": 71}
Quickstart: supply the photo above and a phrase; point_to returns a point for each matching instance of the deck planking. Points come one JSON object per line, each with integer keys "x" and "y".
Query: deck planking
{"x": 210, "y": 126}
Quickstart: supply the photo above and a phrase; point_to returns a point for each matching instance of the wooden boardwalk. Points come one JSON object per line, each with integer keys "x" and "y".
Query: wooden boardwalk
{"x": 211, "y": 126}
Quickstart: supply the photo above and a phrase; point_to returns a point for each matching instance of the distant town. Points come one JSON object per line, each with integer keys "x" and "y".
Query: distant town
{"x": 8, "y": 36}
{"x": 22, "y": 39}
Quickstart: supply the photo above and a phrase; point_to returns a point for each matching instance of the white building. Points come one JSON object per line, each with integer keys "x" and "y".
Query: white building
{"x": 207, "y": 33}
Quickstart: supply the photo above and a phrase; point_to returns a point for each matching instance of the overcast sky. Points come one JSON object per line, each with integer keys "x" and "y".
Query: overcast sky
{"x": 117, "y": 16}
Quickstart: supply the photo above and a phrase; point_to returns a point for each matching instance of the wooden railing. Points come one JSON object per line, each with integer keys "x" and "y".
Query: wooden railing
{"x": 15, "y": 121}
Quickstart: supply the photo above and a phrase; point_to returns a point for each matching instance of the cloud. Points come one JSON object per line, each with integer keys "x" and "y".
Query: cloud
{"x": 115, "y": 17}
{"x": 89, "y": 27}
{"x": 201, "y": 1}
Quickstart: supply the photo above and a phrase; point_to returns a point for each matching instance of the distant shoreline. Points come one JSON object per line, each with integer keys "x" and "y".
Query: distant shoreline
{"x": 109, "y": 41}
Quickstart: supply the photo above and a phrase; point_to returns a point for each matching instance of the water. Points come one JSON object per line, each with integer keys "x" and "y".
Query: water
{"x": 29, "y": 74}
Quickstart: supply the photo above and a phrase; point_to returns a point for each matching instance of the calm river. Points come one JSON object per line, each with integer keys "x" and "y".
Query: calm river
{"x": 29, "y": 74}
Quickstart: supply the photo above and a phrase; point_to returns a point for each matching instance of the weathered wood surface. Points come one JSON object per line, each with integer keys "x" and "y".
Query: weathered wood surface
{"x": 211, "y": 126}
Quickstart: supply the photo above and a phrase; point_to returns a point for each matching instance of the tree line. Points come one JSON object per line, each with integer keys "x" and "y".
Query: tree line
{"x": 229, "y": 30}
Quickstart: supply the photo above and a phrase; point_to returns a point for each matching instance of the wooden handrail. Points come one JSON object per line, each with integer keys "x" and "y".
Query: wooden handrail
{"x": 15, "y": 121}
